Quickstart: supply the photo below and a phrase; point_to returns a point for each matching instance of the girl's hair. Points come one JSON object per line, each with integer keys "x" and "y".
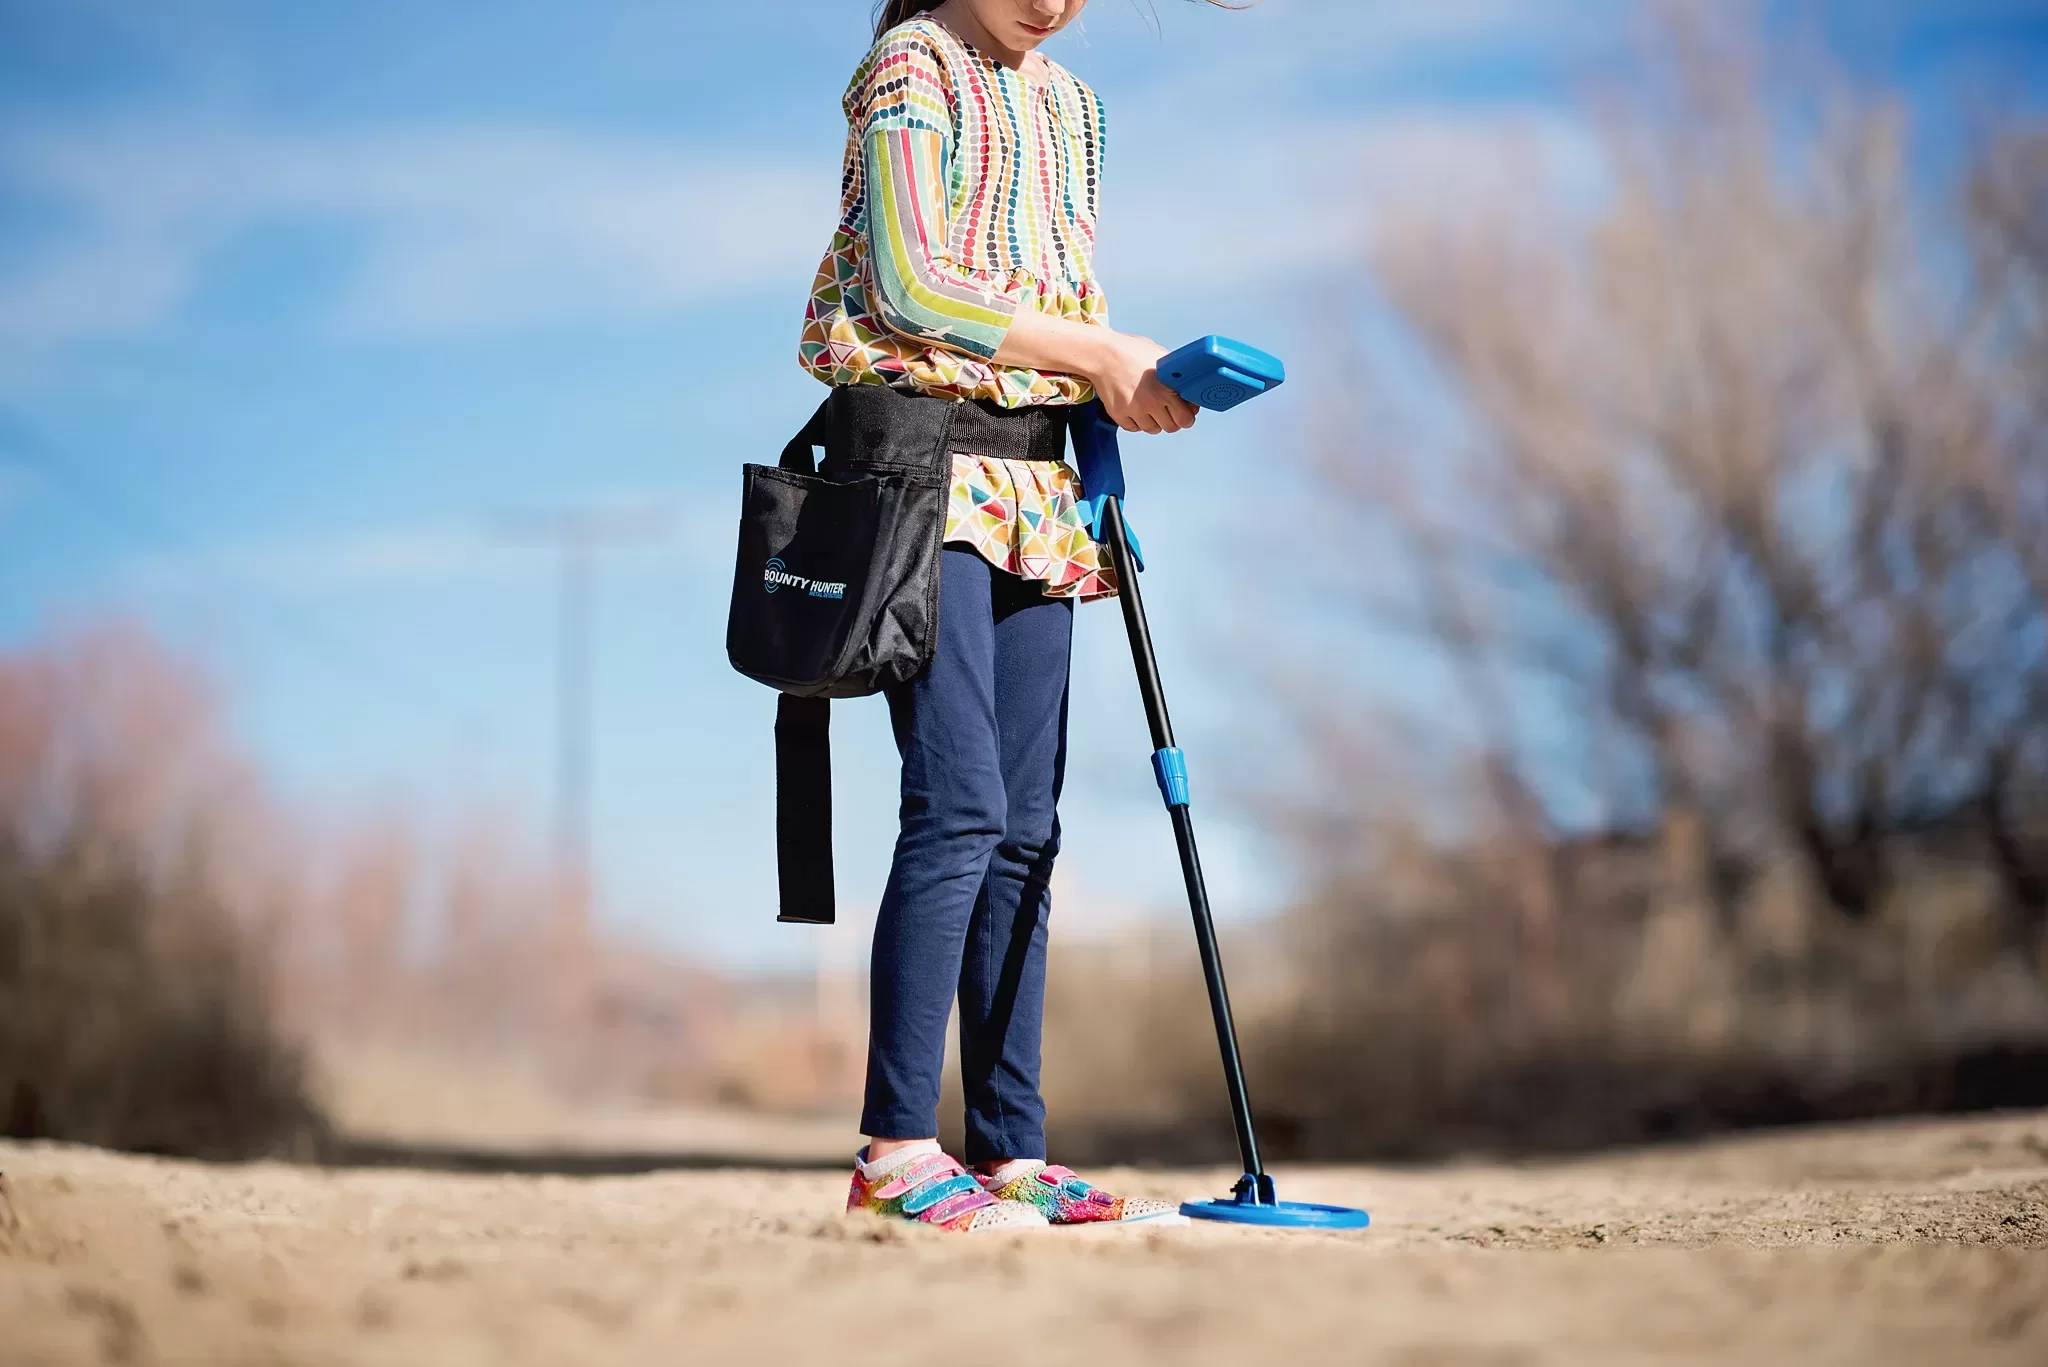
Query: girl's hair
{"x": 890, "y": 13}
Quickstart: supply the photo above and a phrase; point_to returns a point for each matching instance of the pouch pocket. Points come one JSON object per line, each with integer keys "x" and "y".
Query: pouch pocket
{"x": 834, "y": 588}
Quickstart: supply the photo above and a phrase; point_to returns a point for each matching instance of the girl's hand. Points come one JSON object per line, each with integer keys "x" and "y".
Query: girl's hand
{"x": 1124, "y": 369}
{"x": 1136, "y": 399}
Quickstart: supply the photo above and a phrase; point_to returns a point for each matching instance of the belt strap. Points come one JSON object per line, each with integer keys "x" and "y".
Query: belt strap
{"x": 797, "y": 455}
{"x": 1038, "y": 432}
{"x": 803, "y": 809}
{"x": 803, "y": 763}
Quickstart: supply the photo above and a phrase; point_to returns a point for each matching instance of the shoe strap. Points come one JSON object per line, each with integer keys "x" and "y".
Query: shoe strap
{"x": 925, "y": 1195}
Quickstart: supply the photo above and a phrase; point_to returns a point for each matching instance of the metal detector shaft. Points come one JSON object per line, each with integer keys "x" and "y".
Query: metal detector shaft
{"x": 1113, "y": 532}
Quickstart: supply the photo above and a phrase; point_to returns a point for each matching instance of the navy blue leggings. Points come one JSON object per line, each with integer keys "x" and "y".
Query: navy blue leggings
{"x": 983, "y": 739}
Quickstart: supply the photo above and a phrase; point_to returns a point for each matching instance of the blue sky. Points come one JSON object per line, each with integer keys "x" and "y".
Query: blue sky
{"x": 299, "y": 301}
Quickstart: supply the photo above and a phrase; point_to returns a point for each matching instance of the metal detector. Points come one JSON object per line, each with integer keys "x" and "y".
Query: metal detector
{"x": 1215, "y": 373}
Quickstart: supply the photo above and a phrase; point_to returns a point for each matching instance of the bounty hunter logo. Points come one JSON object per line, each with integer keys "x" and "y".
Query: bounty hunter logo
{"x": 777, "y": 577}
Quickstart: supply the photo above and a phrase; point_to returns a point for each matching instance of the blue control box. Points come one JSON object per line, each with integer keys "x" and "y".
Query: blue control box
{"x": 1217, "y": 373}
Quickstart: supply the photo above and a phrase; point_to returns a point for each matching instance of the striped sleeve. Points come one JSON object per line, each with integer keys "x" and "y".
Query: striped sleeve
{"x": 901, "y": 105}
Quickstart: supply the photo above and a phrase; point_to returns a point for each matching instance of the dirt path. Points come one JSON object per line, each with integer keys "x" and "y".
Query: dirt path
{"x": 1912, "y": 1243}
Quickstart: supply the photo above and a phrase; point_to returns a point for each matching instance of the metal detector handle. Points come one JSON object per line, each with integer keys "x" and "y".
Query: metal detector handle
{"x": 1101, "y": 467}
{"x": 1210, "y": 372}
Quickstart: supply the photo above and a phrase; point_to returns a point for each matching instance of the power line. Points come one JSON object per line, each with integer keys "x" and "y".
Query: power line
{"x": 577, "y": 534}
{"x": 285, "y": 621}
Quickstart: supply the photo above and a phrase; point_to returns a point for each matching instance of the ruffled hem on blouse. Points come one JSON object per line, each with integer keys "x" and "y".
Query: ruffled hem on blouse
{"x": 1023, "y": 516}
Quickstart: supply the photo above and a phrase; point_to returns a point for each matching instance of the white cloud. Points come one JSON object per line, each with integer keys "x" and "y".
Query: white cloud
{"x": 1265, "y": 211}
{"x": 1405, "y": 25}
{"x": 400, "y": 555}
{"x": 468, "y": 231}
{"x": 442, "y": 553}
{"x": 463, "y": 230}
{"x": 373, "y": 558}
{"x": 454, "y": 231}
{"x": 1318, "y": 52}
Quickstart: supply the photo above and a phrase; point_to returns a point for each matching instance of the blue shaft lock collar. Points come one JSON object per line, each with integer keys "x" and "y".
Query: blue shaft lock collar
{"x": 1170, "y": 767}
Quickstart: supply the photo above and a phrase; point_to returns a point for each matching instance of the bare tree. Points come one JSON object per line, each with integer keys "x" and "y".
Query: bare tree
{"x": 1739, "y": 475}
{"x": 1702, "y": 484}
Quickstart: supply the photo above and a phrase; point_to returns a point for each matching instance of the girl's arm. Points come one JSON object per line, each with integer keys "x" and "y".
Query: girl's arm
{"x": 922, "y": 294}
{"x": 1121, "y": 366}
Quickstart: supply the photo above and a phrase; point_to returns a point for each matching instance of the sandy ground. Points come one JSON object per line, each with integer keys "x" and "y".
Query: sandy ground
{"x": 405, "y": 1098}
{"x": 1923, "y": 1242}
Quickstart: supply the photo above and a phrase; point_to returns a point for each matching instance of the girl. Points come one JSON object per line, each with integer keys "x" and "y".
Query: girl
{"x": 961, "y": 272}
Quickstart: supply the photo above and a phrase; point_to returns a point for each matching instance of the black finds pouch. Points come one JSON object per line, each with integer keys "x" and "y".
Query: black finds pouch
{"x": 836, "y": 587}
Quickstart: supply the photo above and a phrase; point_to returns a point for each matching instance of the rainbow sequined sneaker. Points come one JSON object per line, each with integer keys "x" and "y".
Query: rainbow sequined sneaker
{"x": 933, "y": 1189}
{"x": 1065, "y": 1199}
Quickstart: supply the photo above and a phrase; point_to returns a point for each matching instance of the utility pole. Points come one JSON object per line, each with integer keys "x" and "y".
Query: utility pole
{"x": 577, "y": 535}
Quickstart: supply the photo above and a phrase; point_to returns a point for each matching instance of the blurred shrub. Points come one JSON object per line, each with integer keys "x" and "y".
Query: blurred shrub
{"x": 134, "y": 1015}
{"x": 134, "y": 1006}
{"x": 1396, "y": 1016}
{"x": 1422, "y": 1027}
{"x": 173, "y": 938}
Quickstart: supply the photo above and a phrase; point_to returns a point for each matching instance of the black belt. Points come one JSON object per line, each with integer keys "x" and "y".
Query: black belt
{"x": 1036, "y": 433}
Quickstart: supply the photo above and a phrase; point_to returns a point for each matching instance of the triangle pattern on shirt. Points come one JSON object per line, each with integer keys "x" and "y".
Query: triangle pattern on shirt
{"x": 1023, "y": 516}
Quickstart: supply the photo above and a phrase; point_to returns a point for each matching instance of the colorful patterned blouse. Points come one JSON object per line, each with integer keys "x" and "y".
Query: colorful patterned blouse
{"x": 969, "y": 192}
